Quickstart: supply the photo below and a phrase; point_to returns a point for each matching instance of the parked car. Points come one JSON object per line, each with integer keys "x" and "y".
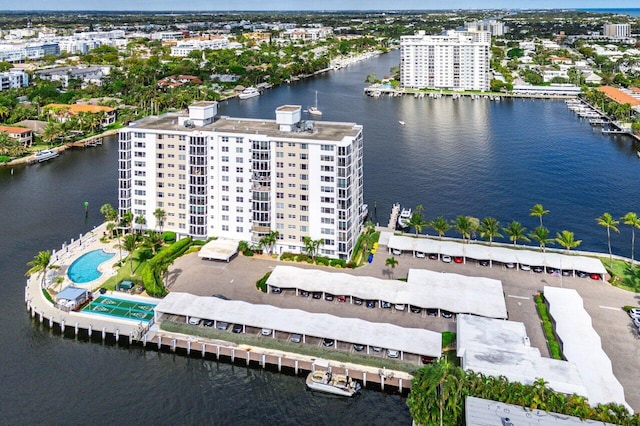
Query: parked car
{"x": 426, "y": 359}
{"x": 327, "y": 342}
{"x": 266, "y": 332}
{"x": 317, "y": 295}
{"x": 376, "y": 349}
{"x": 396, "y": 252}
{"x": 636, "y": 322}
{"x": 276, "y": 290}
{"x": 510, "y": 265}
{"x": 358, "y": 348}
{"x": 304, "y": 293}
{"x": 446, "y": 314}
{"x": 634, "y": 312}
{"x": 525, "y": 267}
{"x": 446, "y": 259}
{"x": 296, "y": 338}
{"x": 391, "y": 353}
{"x": 458, "y": 259}
{"x": 399, "y": 307}
{"x": 433, "y": 256}
{"x": 385, "y": 305}
{"x": 595, "y": 277}
{"x": 208, "y": 323}
{"x": 566, "y": 273}
{"x": 537, "y": 269}
{"x": 582, "y": 274}
{"x": 237, "y": 328}
{"x": 342, "y": 299}
{"x": 415, "y": 309}
{"x": 420, "y": 255}
{"x": 328, "y": 297}
{"x": 194, "y": 320}
{"x": 432, "y": 312}
{"x": 220, "y": 296}
{"x": 357, "y": 301}
{"x": 552, "y": 270}
{"x": 221, "y": 325}
{"x": 483, "y": 262}
{"x": 371, "y": 304}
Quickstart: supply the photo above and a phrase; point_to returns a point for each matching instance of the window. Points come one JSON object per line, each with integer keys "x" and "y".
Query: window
{"x": 304, "y": 218}
{"x": 279, "y": 154}
{"x": 240, "y": 199}
{"x": 225, "y": 149}
{"x": 304, "y": 177}
{"x": 280, "y": 205}
{"x": 225, "y": 159}
{"x": 279, "y": 215}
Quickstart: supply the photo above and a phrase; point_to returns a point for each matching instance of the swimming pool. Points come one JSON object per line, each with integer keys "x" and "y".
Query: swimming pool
{"x": 121, "y": 308}
{"x": 85, "y": 268}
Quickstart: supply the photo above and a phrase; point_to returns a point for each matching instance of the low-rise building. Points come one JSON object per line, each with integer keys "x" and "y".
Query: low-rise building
{"x": 13, "y": 79}
{"x": 21, "y": 134}
{"x": 93, "y": 74}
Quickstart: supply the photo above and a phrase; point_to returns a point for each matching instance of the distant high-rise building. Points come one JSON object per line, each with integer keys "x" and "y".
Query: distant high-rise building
{"x": 456, "y": 60}
{"x": 616, "y": 30}
{"x": 496, "y": 28}
{"x": 241, "y": 178}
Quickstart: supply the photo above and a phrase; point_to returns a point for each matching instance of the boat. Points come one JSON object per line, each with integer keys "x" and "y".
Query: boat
{"x": 249, "y": 92}
{"x": 45, "y": 154}
{"x": 402, "y": 123}
{"x": 404, "y": 218}
{"x": 314, "y": 109}
{"x": 336, "y": 384}
{"x": 638, "y": 154}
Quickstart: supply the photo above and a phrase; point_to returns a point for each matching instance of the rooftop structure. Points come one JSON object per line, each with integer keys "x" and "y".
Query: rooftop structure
{"x": 619, "y": 96}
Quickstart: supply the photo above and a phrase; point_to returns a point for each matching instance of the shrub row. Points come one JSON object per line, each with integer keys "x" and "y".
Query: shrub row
{"x": 261, "y": 284}
{"x": 319, "y": 260}
{"x": 547, "y": 326}
{"x": 152, "y": 270}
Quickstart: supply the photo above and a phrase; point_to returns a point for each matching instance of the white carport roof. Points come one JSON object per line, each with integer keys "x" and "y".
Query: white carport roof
{"x": 425, "y": 289}
{"x": 501, "y": 254}
{"x": 353, "y": 330}
{"x": 501, "y": 348}
{"x": 219, "y": 249}
{"x": 582, "y": 346}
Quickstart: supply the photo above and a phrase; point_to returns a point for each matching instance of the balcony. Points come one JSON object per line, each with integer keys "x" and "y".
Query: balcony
{"x": 260, "y": 229}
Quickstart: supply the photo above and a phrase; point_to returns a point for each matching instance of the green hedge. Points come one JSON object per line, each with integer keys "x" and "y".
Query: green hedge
{"x": 169, "y": 237}
{"x": 152, "y": 270}
{"x": 547, "y": 327}
{"x": 448, "y": 337}
{"x": 261, "y": 284}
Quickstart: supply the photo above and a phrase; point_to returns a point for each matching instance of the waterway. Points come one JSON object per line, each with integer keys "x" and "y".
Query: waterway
{"x": 454, "y": 157}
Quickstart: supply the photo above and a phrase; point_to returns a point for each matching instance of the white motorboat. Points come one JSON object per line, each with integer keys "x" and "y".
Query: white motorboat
{"x": 314, "y": 109}
{"x": 402, "y": 123}
{"x": 249, "y": 92}
{"x": 45, "y": 154}
{"x": 336, "y": 384}
{"x": 404, "y": 218}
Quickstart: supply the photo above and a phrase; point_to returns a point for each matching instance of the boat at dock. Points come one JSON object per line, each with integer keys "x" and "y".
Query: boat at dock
{"x": 45, "y": 154}
{"x": 404, "y": 218}
{"x": 336, "y": 384}
{"x": 249, "y": 92}
{"x": 314, "y": 109}
{"x": 402, "y": 123}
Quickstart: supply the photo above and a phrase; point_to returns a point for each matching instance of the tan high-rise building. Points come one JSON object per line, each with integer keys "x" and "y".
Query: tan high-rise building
{"x": 616, "y": 30}
{"x": 241, "y": 178}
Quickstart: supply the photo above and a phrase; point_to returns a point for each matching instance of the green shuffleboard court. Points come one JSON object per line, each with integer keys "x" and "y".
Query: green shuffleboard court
{"x": 121, "y": 308}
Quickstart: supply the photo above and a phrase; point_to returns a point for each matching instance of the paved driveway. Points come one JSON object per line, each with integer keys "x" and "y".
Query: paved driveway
{"x": 603, "y": 302}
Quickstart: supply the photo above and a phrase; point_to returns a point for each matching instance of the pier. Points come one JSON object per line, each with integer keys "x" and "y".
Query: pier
{"x": 393, "y": 218}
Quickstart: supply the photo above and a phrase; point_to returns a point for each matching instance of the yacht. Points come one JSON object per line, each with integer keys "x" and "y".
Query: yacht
{"x": 402, "y": 123}
{"x": 403, "y": 219}
{"x": 314, "y": 109}
{"x": 336, "y": 384}
{"x": 46, "y": 154}
{"x": 249, "y": 92}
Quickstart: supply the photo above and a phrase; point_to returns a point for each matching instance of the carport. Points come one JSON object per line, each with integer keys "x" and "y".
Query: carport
{"x": 220, "y": 249}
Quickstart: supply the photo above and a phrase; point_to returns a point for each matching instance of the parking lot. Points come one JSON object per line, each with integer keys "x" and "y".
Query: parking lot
{"x": 620, "y": 340}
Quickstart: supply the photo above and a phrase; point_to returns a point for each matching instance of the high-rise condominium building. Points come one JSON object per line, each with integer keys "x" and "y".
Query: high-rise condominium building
{"x": 241, "y": 178}
{"x": 456, "y": 60}
{"x": 616, "y": 30}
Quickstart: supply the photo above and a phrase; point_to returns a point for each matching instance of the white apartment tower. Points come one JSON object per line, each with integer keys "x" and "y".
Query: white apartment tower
{"x": 616, "y": 30}
{"x": 456, "y": 60}
{"x": 241, "y": 178}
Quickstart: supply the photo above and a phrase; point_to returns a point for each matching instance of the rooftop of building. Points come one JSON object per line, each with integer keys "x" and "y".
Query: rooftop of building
{"x": 306, "y": 129}
{"x": 14, "y": 130}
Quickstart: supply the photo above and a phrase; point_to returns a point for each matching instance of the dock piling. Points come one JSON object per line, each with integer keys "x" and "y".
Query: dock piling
{"x": 204, "y": 350}
{"x": 188, "y": 347}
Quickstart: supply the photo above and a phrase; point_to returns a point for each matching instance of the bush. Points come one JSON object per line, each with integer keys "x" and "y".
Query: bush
{"x": 169, "y": 237}
{"x": 4, "y": 159}
{"x": 261, "y": 284}
{"x": 248, "y": 253}
{"x": 144, "y": 253}
{"x": 627, "y": 308}
{"x": 322, "y": 261}
{"x": 448, "y": 337}
{"x": 547, "y": 327}
{"x": 287, "y": 256}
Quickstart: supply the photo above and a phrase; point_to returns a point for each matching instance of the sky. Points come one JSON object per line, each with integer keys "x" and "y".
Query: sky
{"x": 213, "y": 5}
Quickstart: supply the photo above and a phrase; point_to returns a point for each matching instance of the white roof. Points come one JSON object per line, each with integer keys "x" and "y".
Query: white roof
{"x": 219, "y": 249}
{"x": 522, "y": 256}
{"x": 484, "y": 412}
{"x": 501, "y": 348}
{"x": 353, "y": 330}
{"x": 582, "y": 346}
{"x": 425, "y": 289}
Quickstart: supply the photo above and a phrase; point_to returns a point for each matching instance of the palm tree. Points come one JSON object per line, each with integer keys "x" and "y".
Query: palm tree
{"x": 538, "y": 211}
{"x": 541, "y": 235}
{"x": 140, "y": 220}
{"x": 489, "y": 229}
{"x": 39, "y": 264}
{"x": 440, "y": 225}
{"x": 312, "y": 246}
{"x": 632, "y": 220}
{"x": 160, "y": 216}
{"x": 391, "y": 262}
{"x": 153, "y": 240}
{"x": 127, "y": 220}
{"x": 130, "y": 244}
{"x": 566, "y": 240}
{"x": 417, "y": 221}
{"x": 110, "y": 214}
{"x": 464, "y": 226}
{"x": 608, "y": 222}
{"x": 516, "y": 232}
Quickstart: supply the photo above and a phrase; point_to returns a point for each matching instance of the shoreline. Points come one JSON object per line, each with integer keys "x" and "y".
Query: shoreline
{"x": 30, "y": 159}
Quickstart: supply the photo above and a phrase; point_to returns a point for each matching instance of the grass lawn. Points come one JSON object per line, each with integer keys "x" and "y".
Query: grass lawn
{"x": 124, "y": 272}
{"x": 623, "y": 275}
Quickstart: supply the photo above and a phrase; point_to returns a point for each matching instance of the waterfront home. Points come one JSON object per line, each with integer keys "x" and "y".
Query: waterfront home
{"x": 21, "y": 134}
{"x": 62, "y": 112}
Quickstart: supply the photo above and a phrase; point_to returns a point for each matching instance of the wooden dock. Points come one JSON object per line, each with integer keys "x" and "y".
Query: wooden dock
{"x": 393, "y": 218}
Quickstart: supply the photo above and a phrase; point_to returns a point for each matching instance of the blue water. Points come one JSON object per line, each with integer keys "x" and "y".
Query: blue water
{"x": 629, "y": 11}
{"x": 85, "y": 268}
